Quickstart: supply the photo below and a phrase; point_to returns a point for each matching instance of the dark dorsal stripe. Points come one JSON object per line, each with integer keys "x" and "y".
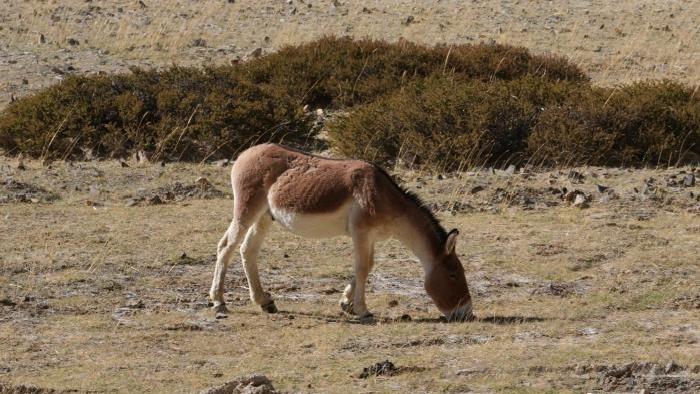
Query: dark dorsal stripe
{"x": 435, "y": 224}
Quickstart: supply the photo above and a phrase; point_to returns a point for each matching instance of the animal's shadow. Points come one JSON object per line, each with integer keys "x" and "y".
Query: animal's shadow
{"x": 347, "y": 319}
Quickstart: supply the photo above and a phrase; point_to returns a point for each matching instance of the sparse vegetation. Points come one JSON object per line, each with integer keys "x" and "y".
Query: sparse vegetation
{"x": 559, "y": 300}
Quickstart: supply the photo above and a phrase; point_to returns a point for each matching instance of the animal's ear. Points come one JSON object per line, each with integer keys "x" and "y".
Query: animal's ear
{"x": 451, "y": 241}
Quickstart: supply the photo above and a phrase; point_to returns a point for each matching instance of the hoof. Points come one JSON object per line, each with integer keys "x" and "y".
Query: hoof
{"x": 270, "y": 307}
{"x": 220, "y": 309}
{"x": 347, "y": 307}
{"x": 368, "y": 318}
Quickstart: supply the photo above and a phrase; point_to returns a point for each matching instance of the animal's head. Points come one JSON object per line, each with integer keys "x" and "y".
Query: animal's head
{"x": 445, "y": 282}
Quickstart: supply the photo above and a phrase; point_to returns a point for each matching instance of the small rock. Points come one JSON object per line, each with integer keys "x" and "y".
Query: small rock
{"x": 135, "y": 304}
{"x": 405, "y": 317}
{"x": 155, "y": 200}
{"x": 588, "y": 331}
{"x": 576, "y": 177}
{"x": 203, "y": 183}
{"x": 319, "y": 112}
{"x": 255, "y": 384}
{"x": 602, "y": 188}
{"x": 222, "y": 162}
{"x": 385, "y": 367}
{"x": 7, "y": 302}
{"x": 93, "y": 203}
{"x": 199, "y": 42}
{"x": 510, "y": 170}
{"x": 73, "y": 42}
{"x": 476, "y": 189}
{"x": 409, "y": 20}
{"x": 123, "y": 164}
{"x": 580, "y": 201}
{"x": 220, "y": 315}
{"x": 141, "y": 157}
{"x": 672, "y": 367}
{"x": 469, "y": 371}
{"x": 255, "y": 53}
{"x": 581, "y": 369}
{"x": 689, "y": 180}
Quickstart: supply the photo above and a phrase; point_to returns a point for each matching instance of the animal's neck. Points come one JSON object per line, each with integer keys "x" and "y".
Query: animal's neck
{"x": 415, "y": 230}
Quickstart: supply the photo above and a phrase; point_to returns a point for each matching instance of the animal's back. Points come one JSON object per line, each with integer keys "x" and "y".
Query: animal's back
{"x": 295, "y": 183}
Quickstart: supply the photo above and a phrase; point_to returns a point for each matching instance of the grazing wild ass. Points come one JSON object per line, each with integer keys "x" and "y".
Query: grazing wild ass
{"x": 318, "y": 197}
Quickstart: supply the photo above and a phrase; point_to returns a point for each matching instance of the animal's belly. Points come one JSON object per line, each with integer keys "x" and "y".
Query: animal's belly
{"x": 314, "y": 225}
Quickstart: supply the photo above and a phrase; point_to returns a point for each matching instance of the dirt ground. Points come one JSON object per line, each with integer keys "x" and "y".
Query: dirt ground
{"x": 103, "y": 286}
{"x": 616, "y": 42}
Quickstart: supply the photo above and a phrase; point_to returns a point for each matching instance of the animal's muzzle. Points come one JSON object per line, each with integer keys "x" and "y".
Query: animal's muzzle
{"x": 462, "y": 313}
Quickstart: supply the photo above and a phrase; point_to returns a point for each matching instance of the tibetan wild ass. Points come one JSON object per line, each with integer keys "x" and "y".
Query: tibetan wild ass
{"x": 318, "y": 197}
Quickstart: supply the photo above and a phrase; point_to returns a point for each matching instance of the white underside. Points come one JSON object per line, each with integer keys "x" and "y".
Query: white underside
{"x": 314, "y": 225}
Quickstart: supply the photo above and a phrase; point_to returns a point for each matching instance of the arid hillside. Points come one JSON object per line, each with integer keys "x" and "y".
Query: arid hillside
{"x": 41, "y": 41}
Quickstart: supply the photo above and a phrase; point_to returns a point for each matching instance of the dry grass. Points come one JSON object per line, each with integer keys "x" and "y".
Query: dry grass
{"x": 615, "y": 42}
{"x": 554, "y": 288}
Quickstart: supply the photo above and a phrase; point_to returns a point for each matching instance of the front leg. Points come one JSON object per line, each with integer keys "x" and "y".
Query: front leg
{"x": 347, "y": 300}
{"x": 364, "y": 261}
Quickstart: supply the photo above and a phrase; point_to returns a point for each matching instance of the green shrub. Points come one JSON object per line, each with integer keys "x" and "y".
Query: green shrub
{"x": 179, "y": 114}
{"x": 648, "y": 122}
{"x": 340, "y": 72}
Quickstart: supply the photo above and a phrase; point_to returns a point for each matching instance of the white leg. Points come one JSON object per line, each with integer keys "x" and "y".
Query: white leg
{"x": 249, "y": 256}
{"x": 225, "y": 251}
{"x": 364, "y": 260}
{"x": 346, "y": 301}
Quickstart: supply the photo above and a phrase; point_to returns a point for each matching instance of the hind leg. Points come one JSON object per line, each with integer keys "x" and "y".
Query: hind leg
{"x": 249, "y": 257}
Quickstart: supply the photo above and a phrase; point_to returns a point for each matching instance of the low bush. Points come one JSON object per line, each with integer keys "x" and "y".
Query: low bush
{"x": 651, "y": 122}
{"x": 341, "y": 72}
{"x": 440, "y": 107}
{"x": 177, "y": 114}
{"x": 447, "y": 124}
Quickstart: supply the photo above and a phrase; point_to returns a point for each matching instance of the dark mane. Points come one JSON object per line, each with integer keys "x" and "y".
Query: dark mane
{"x": 435, "y": 224}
